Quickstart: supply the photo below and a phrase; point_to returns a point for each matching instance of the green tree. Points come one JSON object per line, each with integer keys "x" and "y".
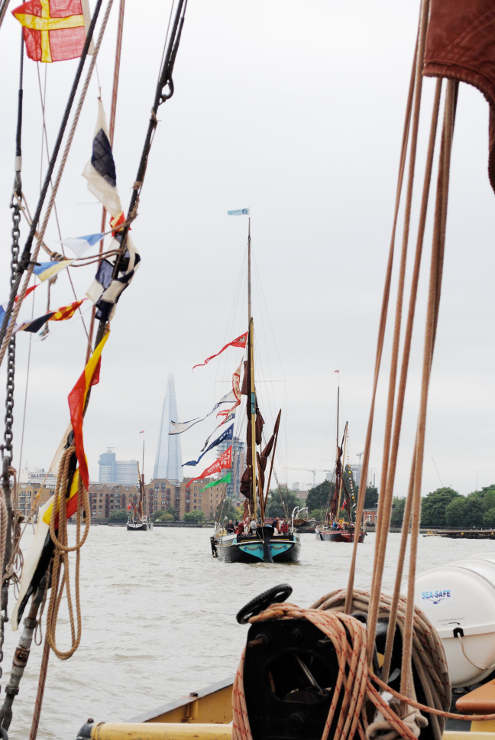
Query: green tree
{"x": 489, "y": 518}
{"x": 196, "y": 516}
{"x": 455, "y": 512}
{"x": 474, "y": 510}
{"x": 371, "y": 497}
{"x": 227, "y": 510}
{"x": 318, "y": 514}
{"x": 164, "y": 516}
{"x": 281, "y": 501}
{"x": 434, "y": 506}
{"x": 318, "y": 497}
{"x": 118, "y": 517}
{"x": 398, "y": 506}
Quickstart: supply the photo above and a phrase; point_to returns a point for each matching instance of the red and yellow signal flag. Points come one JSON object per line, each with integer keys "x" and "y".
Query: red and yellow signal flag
{"x": 77, "y": 402}
{"x": 66, "y": 312}
{"x": 54, "y": 30}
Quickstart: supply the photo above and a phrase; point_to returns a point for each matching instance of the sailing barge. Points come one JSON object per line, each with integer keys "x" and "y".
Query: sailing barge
{"x": 255, "y": 540}
{"x": 339, "y": 525}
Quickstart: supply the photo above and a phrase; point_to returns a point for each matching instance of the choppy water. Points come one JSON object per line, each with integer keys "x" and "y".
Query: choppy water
{"x": 159, "y": 619}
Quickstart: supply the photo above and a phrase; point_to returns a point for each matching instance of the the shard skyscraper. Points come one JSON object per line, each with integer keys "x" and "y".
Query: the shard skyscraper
{"x": 168, "y": 455}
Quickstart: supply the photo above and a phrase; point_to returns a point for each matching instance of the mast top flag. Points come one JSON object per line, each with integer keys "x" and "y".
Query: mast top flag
{"x": 238, "y": 212}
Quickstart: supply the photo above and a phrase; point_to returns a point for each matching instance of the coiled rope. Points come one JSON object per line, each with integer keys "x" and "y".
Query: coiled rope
{"x": 354, "y": 690}
{"x": 428, "y": 655}
{"x": 358, "y": 688}
{"x": 60, "y": 574}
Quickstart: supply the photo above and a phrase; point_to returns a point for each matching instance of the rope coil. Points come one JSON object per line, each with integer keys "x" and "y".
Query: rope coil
{"x": 358, "y": 689}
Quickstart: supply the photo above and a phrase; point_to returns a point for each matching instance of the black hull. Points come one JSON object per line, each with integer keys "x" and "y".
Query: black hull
{"x": 255, "y": 550}
{"x": 339, "y": 535}
{"x": 138, "y": 527}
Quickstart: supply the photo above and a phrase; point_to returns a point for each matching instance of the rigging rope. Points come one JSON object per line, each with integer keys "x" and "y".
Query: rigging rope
{"x": 164, "y": 91}
{"x": 45, "y": 145}
{"x": 26, "y": 264}
{"x": 111, "y": 131}
{"x": 381, "y": 333}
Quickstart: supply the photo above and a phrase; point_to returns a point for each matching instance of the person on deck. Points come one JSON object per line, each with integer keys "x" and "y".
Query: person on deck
{"x": 284, "y": 527}
{"x": 230, "y": 526}
{"x": 253, "y": 526}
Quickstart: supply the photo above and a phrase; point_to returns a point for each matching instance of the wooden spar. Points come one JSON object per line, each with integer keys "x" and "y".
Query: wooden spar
{"x": 140, "y": 483}
{"x": 251, "y": 400}
{"x": 277, "y": 426}
{"x": 252, "y": 417}
{"x": 142, "y": 479}
{"x": 341, "y": 481}
{"x": 249, "y": 271}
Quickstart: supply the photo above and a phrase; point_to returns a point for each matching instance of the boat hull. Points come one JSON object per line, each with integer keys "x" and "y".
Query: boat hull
{"x": 338, "y": 535}
{"x": 138, "y": 526}
{"x": 256, "y": 549}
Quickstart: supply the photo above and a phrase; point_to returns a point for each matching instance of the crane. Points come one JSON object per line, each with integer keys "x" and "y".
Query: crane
{"x": 314, "y": 471}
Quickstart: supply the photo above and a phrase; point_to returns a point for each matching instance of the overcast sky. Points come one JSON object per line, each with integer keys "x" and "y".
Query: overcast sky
{"x": 295, "y": 111}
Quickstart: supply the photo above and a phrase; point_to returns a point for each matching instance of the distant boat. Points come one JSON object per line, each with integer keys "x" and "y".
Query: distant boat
{"x": 339, "y": 523}
{"x": 138, "y": 520}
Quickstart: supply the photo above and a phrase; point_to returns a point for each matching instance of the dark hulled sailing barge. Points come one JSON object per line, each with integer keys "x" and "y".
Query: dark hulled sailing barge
{"x": 255, "y": 540}
{"x": 137, "y": 520}
{"x": 339, "y": 520}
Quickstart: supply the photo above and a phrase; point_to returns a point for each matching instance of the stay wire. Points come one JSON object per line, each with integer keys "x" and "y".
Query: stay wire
{"x": 46, "y": 148}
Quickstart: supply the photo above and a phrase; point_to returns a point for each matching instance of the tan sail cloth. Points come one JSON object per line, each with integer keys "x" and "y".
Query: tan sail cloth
{"x": 460, "y": 46}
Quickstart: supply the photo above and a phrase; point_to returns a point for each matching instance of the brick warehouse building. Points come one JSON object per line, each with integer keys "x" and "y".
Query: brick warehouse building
{"x": 160, "y": 495}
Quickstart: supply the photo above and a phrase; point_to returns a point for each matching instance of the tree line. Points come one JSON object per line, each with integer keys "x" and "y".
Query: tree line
{"x": 445, "y": 507}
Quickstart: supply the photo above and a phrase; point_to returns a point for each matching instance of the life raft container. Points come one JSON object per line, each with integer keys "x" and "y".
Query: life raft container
{"x": 459, "y": 600}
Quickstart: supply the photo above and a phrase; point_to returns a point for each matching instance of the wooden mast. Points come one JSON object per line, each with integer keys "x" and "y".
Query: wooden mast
{"x": 251, "y": 388}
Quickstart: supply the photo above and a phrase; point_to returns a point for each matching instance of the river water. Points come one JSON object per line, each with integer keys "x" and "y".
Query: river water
{"x": 159, "y": 619}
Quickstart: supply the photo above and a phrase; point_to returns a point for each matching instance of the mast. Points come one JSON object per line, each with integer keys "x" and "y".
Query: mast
{"x": 252, "y": 418}
{"x": 251, "y": 386}
{"x": 142, "y": 478}
{"x": 249, "y": 271}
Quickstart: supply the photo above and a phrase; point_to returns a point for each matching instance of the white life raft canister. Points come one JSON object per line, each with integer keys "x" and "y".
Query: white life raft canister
{"x": 459, "y": 600}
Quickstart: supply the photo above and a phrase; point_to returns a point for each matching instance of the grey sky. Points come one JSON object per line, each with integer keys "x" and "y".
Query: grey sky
{"x": 295, "y": 110}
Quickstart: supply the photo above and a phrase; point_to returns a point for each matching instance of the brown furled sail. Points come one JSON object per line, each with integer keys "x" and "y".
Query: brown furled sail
{"x": 460, "y": 46}
{"x": 266, "y": 452}
{"x": 246, "y": 487}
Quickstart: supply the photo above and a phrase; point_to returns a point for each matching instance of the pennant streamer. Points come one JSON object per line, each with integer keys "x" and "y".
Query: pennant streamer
{"x": 53, "y": 31}
{"x": 224, "y": 479}
{"x": 79, "y": 245}
{"x": 236, "y": 390}
{"x": 239, "y": 212}
{"x": 228, "y": 418}
{"x": 61, "y": 314}
{"x": 178, "y": 427}
{"x": 224, "y": 462}
{"x": 227, "y": 434}
{"x": 77, "y": 400}
{"x": 238, "y": 342}
{"x": 46, "y": 270}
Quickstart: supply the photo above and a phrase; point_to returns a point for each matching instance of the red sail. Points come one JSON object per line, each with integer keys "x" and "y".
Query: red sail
{"x": 460, "y": 45}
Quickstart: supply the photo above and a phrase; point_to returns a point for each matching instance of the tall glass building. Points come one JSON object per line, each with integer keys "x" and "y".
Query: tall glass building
{"x": 168, "y": 458}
